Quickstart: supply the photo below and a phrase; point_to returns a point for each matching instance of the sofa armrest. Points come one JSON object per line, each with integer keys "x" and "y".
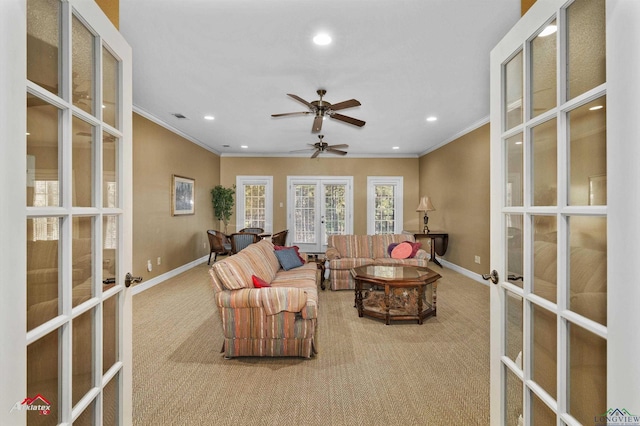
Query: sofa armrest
{"x": 422, "y": 254}
{"x": 332, "y": 253}
{"x": 272, "y": 299}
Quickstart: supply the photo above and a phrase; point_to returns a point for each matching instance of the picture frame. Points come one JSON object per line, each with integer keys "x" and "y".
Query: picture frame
{"x": 182, "y": 195}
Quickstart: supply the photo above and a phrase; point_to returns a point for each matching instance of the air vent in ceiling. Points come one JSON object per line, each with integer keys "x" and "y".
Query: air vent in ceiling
{"x": 180, "y": 116}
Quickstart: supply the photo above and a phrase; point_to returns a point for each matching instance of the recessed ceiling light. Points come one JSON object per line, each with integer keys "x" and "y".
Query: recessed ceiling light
{"x": 209, "y": 117}
{"x": 244, "y": 146}
{"x": 395, "y": 147}
{"x": 550, "y": 29}
{"x": 432, "y": 118}
{"x": 322, "y": 39}
{"x": 594, "y": 108}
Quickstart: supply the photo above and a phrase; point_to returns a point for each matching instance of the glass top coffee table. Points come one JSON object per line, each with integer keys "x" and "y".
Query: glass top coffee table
{"x": 394, "y": 292}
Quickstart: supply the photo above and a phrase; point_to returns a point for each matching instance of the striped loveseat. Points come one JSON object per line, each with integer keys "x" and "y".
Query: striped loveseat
{"x": 279, "y": 320}
{"x": 345, "y": 252}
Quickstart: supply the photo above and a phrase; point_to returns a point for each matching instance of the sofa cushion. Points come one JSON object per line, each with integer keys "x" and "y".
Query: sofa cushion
{"x": 351, "y": 245}
{"x": 288, "y": 258}
{"x": 380, "y": 243}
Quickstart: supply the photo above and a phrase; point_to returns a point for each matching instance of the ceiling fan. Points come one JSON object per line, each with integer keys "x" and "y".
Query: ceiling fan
{"x": 321, "y": 147}
{"x": 322, "y": 108}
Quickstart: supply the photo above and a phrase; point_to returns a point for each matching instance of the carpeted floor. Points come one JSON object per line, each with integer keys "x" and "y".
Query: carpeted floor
{"x": 366, "y": 373}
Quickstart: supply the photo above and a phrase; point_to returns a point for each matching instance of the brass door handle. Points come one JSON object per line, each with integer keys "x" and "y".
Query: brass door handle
{"x": 130, "y": 279}
{"x": 493, "y": 276}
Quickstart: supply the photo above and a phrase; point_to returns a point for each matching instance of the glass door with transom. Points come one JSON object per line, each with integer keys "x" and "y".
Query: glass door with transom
{"x": 76, "y": 149}
{"x": 550, "y": 244}
{"x": 318, "y": 207}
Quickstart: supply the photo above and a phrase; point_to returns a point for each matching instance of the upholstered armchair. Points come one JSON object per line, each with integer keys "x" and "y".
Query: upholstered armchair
{"x": 241, "y": 240}
{"x": 280, "y": 238}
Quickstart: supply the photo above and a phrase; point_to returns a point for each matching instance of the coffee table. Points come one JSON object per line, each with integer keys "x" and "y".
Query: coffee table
{"x": 394, "y": 292}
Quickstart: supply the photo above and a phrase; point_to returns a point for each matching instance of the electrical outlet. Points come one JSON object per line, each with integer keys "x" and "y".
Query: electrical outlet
{"x": 478, "y": 259}
{"x": 149, "y": 265}
{"x": 204, "y": 245}
{"x": 159, "y": 261}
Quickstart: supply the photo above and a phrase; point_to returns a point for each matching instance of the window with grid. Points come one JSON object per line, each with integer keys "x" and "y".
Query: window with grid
{"x": 254, "y": 202}
{"x": 45, "y": 194}
{"x": 305, "y": 213}
{"x": 254, "y": 206}
{"x": 384, "y": 205}
{"x": 335, "y": 220}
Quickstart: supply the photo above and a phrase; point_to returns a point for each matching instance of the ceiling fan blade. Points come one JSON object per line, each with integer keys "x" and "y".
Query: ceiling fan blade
{"x": 299, "y": 99}
{"x": 336, "y": 151}
{"x": 291, "y": 113}
{"x": 341, "y": 145}
{"x": 346, "y": 104}
{"x": 315, "y": 154}
{"x": 317, "y": 124}
{"x": 349, "y": 120}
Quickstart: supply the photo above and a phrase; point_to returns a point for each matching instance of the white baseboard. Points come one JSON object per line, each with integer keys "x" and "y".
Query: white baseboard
{"x": 146, "y": 285}
{"x": 459, "y": 269}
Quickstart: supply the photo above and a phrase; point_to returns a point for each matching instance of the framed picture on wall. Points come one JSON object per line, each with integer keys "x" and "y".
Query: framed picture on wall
{"x": 182, "y": 195}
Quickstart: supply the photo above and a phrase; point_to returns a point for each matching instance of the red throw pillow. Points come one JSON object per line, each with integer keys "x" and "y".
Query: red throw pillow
{"x": 402, "y": 251}
{"x": 415, "y": 248}
{"x": 259, "y": 282}
{"x": 296, "y": 248}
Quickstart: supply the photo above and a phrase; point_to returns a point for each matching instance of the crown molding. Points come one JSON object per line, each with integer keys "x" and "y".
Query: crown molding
{"x": 458, "y": 135}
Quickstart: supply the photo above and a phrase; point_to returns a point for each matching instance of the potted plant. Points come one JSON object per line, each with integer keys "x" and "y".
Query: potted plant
{"x": 222, "y": 199}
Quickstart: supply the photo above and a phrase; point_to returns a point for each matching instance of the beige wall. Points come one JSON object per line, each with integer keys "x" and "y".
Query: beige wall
{"x": 359, "y": 168}
{"x": 456, "y": 178}
{"x": 178, "y": 240}
{"x": 111, "y": 8}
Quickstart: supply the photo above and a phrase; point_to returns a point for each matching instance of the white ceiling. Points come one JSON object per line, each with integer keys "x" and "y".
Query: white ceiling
{"x": 238, "y": 59}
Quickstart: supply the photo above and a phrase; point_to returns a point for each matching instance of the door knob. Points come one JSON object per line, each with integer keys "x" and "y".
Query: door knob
{"x": 493, "y": 276}
{"x": 130, "y": 279}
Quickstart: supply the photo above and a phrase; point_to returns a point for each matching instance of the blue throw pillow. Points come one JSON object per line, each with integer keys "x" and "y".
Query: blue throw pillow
{"x": 288, "y": 259}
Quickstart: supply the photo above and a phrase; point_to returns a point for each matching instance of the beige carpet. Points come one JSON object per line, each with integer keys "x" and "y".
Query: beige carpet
{"x": 366, "y": 373}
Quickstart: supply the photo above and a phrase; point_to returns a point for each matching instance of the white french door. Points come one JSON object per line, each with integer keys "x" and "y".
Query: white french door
{"x": 562, "y": 98}
{"x": 318, "y": 207}
{"x": 68, "y": 340}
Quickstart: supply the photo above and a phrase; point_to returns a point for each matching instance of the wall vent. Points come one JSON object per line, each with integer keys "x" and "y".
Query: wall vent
{"x": 180, "y": 116}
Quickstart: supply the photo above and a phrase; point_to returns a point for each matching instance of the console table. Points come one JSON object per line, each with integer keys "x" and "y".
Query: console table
{"x": 439, "y": 242}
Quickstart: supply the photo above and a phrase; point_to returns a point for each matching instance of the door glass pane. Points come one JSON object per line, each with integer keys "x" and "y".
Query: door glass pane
{"x": 514, "y": 327}
{"x": 254, "y": 206}
{"x": 541, "y": 413}
{"x": 110, "y": 84}
{"x": 513, "y": 92}
{"x": 83, "y": 143}
{"x": 110, "y": 332}
{"x": 109, "y": 402}
{"x": 42, "y": 154}
{"x": 515, "y": 271}
{"x": 335, "y": 220}
{"x": 588, "y": 154}
{"x": 587, "y": 385}
{"x": 513, "y": 398}
{"x": 514, "y": 166}
{"x": 304, "y": 214}
{"x": 384, "y": 209}
{"x": 43, "y": 275}
{"x": 109, "y": 171}
{"x": 82, "y": 259}
{"x": 110, "y": 246}
{"x": 544, "y": 353}
{"x": 42, "y": 378}
{"x": 82, "y": 355}
{"x": 586, "y": 46}
{"x": 83, "y": 67}
{"x": 545, "y": 260}
{"x": 588, "y": 267}
{"x": 86, "y": 417}
{"x": 543, "y": 70}
{"x": 544, "y": 144}
{"x": 43, "y": 41}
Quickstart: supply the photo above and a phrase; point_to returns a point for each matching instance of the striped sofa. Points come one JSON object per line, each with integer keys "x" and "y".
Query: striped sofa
{"x": 280, "y": 320}
{"x": 345, "y": 252}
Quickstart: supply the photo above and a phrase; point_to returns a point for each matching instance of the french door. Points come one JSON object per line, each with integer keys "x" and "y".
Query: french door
{"x": 560, "y": 216}
{"x": 318, "y": 207}
{"x": 69, "y": 337}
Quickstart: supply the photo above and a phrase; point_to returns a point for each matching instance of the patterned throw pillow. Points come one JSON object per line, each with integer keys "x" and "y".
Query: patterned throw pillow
{"x": 288, "y": 258}
{"x": 259, "y": 282}
{"x": 296, "y": 248}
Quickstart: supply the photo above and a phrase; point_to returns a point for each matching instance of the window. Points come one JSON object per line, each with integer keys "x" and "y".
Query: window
{"x": 45, "y": 193}
{"x": 254, "y": 202}
{"x": 384, "y": 205}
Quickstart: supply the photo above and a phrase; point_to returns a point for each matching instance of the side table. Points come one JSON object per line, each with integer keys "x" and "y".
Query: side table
{"x": 439, "y": 243}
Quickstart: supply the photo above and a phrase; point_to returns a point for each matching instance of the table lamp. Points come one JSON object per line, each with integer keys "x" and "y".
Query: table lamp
{"x": 425, "y": 206}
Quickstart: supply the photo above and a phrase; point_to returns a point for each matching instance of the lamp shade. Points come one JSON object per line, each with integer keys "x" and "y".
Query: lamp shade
{"x": 425, "y": 205}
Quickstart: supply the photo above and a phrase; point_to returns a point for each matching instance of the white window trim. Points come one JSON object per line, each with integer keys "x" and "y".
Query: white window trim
{"x": 398, "y": 182}
{"x": 241, "y": 181}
